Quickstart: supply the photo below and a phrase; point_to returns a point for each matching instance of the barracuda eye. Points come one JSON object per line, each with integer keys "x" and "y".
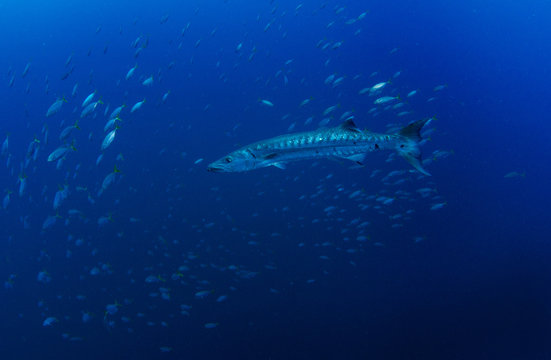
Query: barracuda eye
{"x": 228, "y": 159}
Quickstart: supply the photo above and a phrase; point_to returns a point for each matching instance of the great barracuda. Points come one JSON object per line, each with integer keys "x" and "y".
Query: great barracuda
{"x": 344, "y": 141}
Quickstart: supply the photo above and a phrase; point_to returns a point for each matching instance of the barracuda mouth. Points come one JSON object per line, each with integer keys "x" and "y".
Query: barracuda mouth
{"x": 214, "y": 168}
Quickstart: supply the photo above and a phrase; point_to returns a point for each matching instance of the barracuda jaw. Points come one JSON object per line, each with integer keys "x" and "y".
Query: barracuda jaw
{"x": 214, "y": 168}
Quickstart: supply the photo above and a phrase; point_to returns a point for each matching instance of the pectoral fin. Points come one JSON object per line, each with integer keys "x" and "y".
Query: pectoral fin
{"x": 280, "y": 165}
{"x": 358, "y": 158}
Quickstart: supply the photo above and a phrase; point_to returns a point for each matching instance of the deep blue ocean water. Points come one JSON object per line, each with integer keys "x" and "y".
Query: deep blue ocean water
{"x": 322, "y": 260}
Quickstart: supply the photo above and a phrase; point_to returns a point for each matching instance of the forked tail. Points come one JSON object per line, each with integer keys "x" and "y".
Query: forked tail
{"x": 409, "y": 148}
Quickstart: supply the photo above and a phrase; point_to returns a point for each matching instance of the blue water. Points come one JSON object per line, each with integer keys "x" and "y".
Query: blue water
{"x": 322, "y": 260}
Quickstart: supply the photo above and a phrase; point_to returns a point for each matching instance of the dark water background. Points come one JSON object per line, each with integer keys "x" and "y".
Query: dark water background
{"x": 476, "y": 286}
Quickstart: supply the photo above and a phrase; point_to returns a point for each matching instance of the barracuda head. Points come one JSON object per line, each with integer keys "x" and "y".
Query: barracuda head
{"x": 237, "y": 161}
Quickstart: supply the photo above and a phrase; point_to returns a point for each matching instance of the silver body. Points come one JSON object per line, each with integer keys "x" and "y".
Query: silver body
{"x": 345, "y": 141}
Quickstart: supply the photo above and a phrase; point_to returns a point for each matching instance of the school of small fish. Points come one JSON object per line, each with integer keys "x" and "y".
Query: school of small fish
{"x": 83, "y": 142}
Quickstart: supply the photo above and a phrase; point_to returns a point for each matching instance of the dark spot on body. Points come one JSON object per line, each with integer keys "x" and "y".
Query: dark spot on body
{"x": 376, "y": 146}
{"x": 252, "y": 154}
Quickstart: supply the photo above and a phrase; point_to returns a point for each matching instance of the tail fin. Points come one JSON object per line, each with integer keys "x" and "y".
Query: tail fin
{"x": 409, "y": 149}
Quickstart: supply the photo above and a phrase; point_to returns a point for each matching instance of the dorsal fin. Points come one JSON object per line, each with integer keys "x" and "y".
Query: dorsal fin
{"x": 349, "y": 125}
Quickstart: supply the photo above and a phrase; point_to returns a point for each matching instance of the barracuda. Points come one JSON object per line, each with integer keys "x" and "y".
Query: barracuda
{"x": 344, "y": 141}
